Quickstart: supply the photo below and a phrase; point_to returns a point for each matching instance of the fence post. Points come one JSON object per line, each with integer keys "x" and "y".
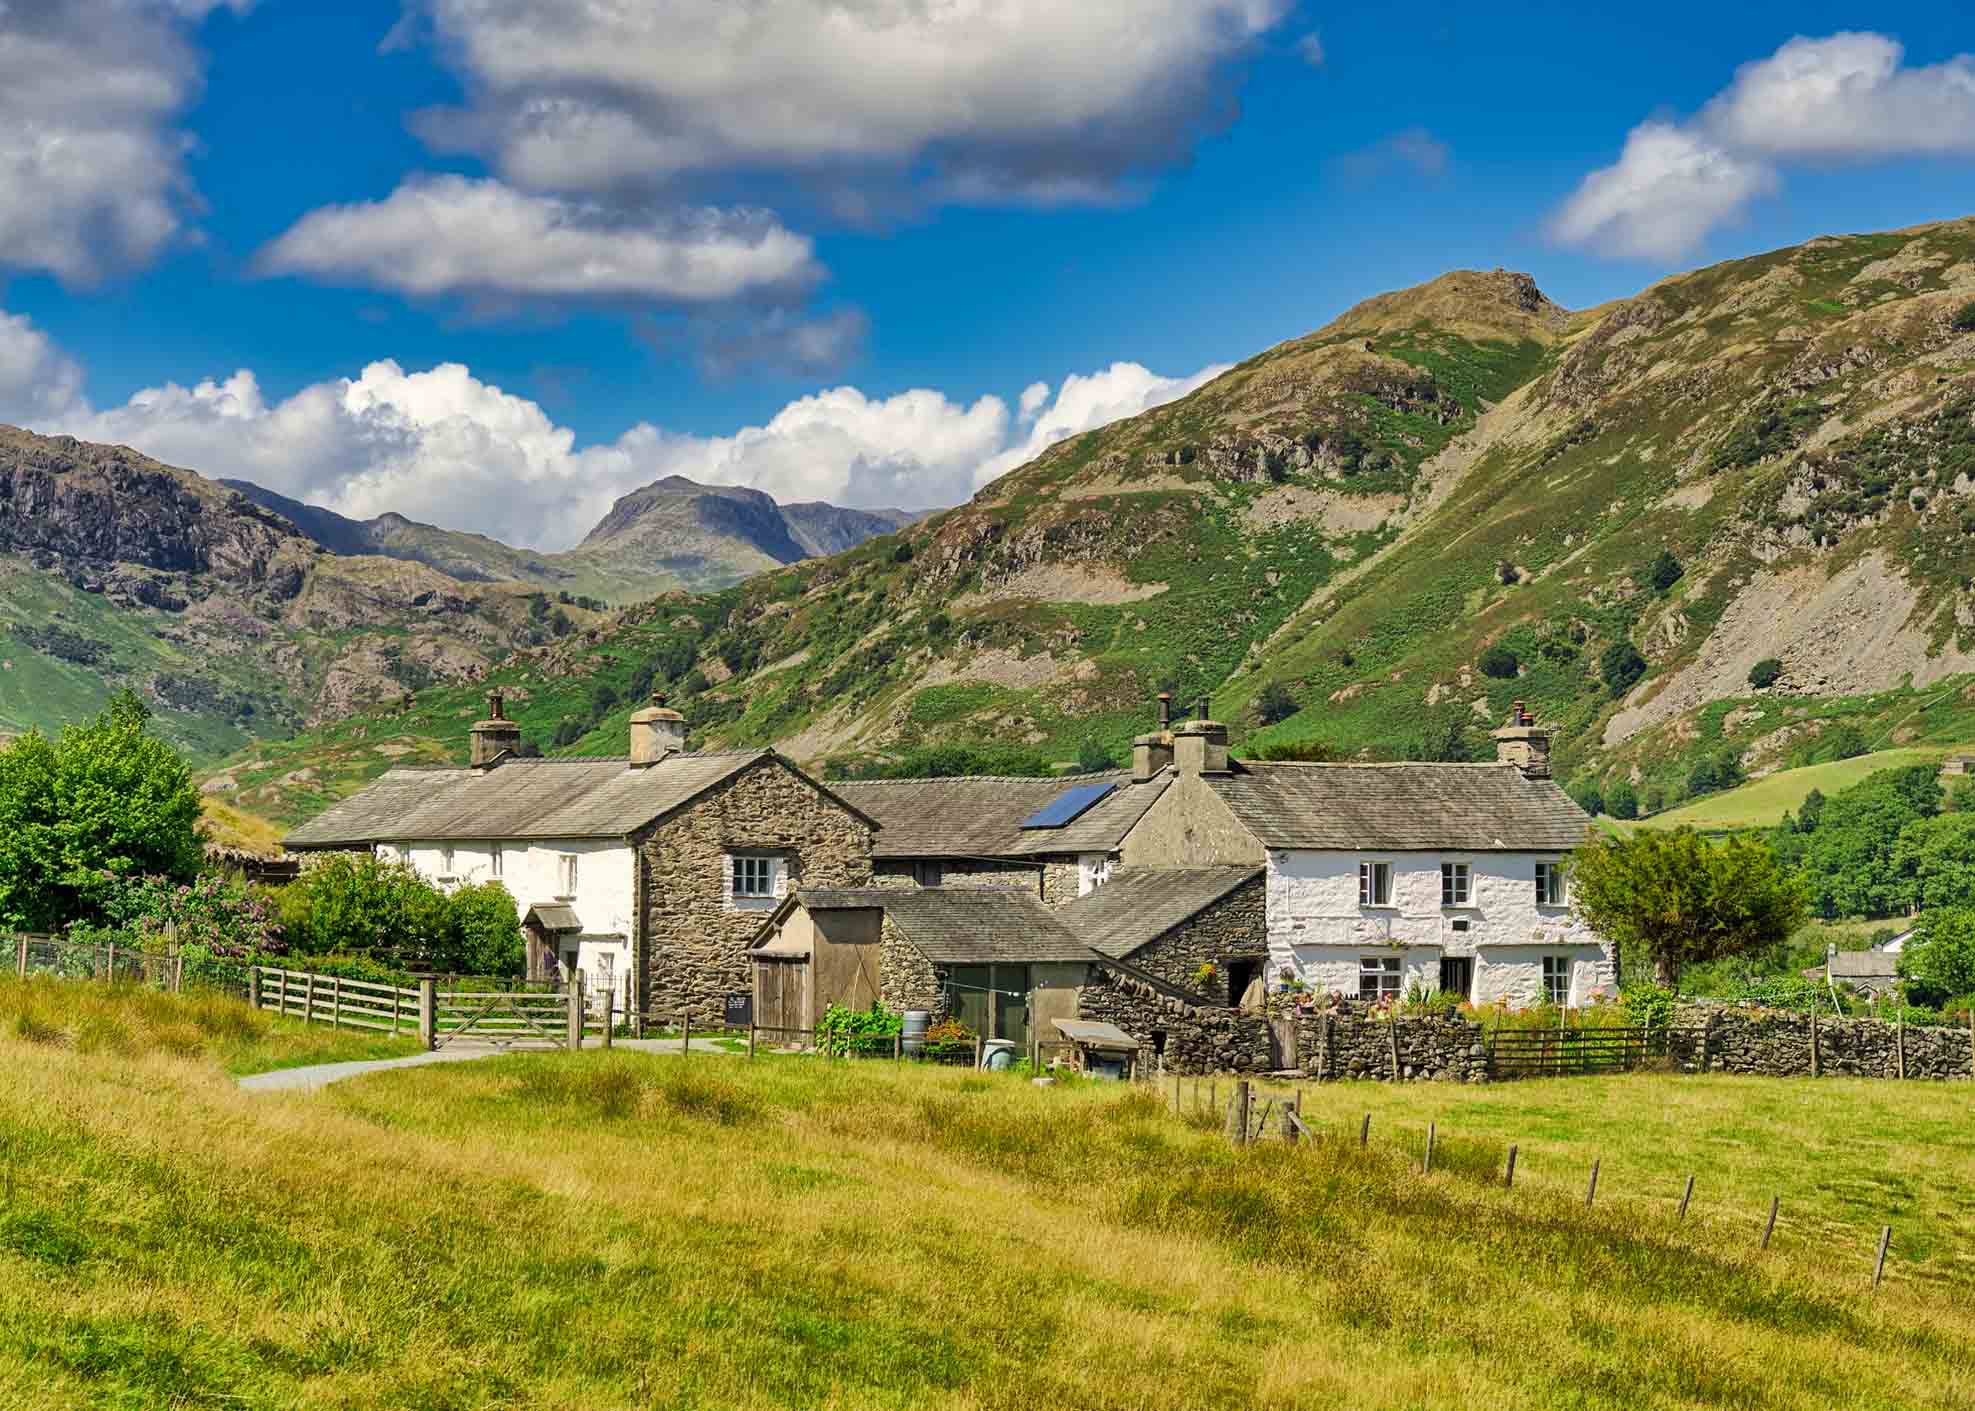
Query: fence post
{"x": 23, "y": 970}
{"x": 110, "y": 974}
{"x": 178, "y": 973}
{"x": 1685, "y": 1196}
{"x": 1427, "y": 1169}
{"x": 898, "y": 1047}
{"x": 1591, "y": 1192}
{"x": 1394, "y": 1034}
{"x": 1509, "y": 1176}
{"x": 750, "y": 1038}
{"x": 1899, "y": 1042}
{"x": 1770, "y": 1228}
{"x": 610, "y": 1013}
{"x": 1365, "y": 1131}
{"x": 428, "y": 1012}
{"x": 1292, "y": 1116}
{"x": 1879, "y": 1264}
{"x": 254, "y": 987}
{"x": 979, "y": 1045}
{"x": 336, "y": 1001}
{"x": 575, "y": 1016}
{"x": 686, "y": 1031}
{"x": 308, "y": 997}
{"x": 1813, "y": 1042}
{"x": 1241, "y": 1112}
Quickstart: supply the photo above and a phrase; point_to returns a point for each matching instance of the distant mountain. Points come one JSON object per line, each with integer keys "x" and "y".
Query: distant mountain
{"x": 241, "y": 614}
{"x": 823, "y": 529}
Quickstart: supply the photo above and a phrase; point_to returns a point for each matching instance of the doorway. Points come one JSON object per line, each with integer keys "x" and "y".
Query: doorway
{"x": 1457, "y": 974}
{"x": 1241, "y": 974}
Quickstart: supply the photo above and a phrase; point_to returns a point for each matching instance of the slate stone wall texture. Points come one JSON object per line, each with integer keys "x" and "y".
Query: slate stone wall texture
{"x": 1236, "y": 925}
{"x": 906, "y": 979}
{"x": 1778, "y": 1045}
{"x": 694, "y": 941}
{"x": 957, "y": 872}
{"x": 1192, "y": 1040}
{"x": 1344, "y": 1044}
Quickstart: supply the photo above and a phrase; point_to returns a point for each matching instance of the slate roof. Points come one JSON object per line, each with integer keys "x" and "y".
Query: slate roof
{"x": 519, "y": 798}
{"x": 1864, "y": 965}
{"x": 963, "y": 925}
{"x": 1140, "y": 904}
{"x": 1402, "y": 807}
{"x": 981, "y": 816}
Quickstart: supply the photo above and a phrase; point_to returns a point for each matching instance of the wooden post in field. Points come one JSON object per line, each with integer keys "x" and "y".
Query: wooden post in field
{"x": 980, "y": 1044}
{"x": 1686, "y": 1196}
{"x": 1179, "y": 1106}
{"x": 308, "y": 998}
{"x": 178, "y": 973}
{"x": 428, "y": 1012}
{"x": 610, "y": 1014}
{"x": 1213, "y": 1097}
{"x": 1591, "y": 1191}
{"x": 574, "y": 1020}
{"x": 1241, "y": 1112}
{"x": 1770, "y": 1228}
{"x": 898, "y": 1047}
{"x": 22, "y": 966}
{"x": 686, "y": 1032}
{"x": 1813, "y": 1043}
{"x": 336, "y": 1000}
{"x": 750, "y": 1038}
{"x": 254, "y": 988}
{"x": 1292, "y": 1116}
{"x": 1509, "y": 1175}
{"x": 1899, "y": 1042}
{"x": 1365, "y": 1131}
{"x": 1393, "y": 1033}
{"x": 1879, "y": 1264}
{"x": 110, "y": 973}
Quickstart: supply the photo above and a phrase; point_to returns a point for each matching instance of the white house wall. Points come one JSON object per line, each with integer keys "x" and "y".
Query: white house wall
{"x": 532, "y": 873}
{"x": 1319, "y": 932}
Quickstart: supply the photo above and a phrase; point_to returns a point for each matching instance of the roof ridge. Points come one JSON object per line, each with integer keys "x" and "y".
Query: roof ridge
{"x": 1380, "y": 763}
{"x": 984, "y": 778}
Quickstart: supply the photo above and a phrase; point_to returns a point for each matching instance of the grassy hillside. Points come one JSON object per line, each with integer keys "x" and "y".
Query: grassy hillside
{"x": 1448, "y": 499}
{"x": 616, "y": 1230}
{"x": 1761, "y": 803}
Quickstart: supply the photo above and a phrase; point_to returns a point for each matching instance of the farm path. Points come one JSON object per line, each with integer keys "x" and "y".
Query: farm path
{"x": 317, "y": 1075}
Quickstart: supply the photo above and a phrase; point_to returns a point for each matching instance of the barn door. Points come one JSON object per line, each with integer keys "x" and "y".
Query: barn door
{"x": 781, "y": 994}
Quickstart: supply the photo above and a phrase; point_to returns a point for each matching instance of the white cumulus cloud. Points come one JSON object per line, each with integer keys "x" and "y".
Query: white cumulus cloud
{"x": 447, "y": 235}
{"x": 1843, "y": 97}
{"x": 444, "y": 446}
{"x": 92, "y": 160}
{"x": 1017, "y": 98}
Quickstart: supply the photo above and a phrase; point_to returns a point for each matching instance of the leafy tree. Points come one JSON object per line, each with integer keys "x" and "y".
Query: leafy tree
{"x": 1664, "y": 571}
{"x": 1274, "y": 703}
{"x": 1622, "y": 800}
{"x": 1446, "y": 742}
{"x": 483, "y": 932}
{"x": 1093, "y": 755}
{"x": 351, "y": 905}
{"x": 1703, "y": 778}
{"x": 1621, "y": 666}
{"x": 1498, "y": 662}
{"x": 1847, "y": 741}
{"x": 1935, "y": 858}
{"x": 1938, "y": 963}
{"x": 1964, "y": 318}
{"x": 1765, "y": 673}
{"x": 1810, "y": 811}
{"x": 569, "y": 730}
{"x": 105, "y": 801}
{"x": 1587, "y": 796}
{"x": 1682, "y": 900}
{"x": 1849, "y": 859}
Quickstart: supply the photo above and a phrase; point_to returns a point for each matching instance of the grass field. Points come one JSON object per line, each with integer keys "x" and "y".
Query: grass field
{"x": 620, "y": 1230}
{"x": 1761, "y": 803}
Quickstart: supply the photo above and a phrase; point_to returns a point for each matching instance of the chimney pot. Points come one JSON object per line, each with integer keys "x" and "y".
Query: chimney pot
{"x": 656, "y": 732}
{"x": 1165, "y": 710}
{"x": 493, "y": 737}
{"x": 1204, "y": 708}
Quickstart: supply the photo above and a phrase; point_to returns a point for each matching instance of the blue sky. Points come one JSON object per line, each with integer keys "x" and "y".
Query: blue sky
{"x": 494, "y": 264}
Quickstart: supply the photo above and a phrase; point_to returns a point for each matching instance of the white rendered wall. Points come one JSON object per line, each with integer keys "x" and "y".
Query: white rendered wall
{"x": 532, "y": 873}
{"x": 1319, "y": 932}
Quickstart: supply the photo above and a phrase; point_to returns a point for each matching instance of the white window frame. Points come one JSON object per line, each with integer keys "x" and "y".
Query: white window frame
{"x": 494, "y": 862}
{"x": 448, "y": 860}
{"x": 745, "y": 869}
{"x": 1557, "y": 974}
{"x": 1388, "y": 974}
{"x": 1371, "y": 874}
{"x": 567, "y": 874}
{"x": 1551, "y": 886}
{"x": 1456, "y": 884}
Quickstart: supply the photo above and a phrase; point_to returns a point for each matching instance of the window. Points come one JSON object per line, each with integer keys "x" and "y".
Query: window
{"x": 1374, "y": 884}
{"x": 754, "y": 876}
{"x": 925, "y": 873}
{"x": 1093, "y": 871}
{"x": 494, "y": 860}
{"x": 566, "y": 870}
{"x": 1455, "y": 884}
{"x": 1378, "y": 977}
{"x": 1556, "y": 979}
{"x": 1549, "y": 884}
{"x": 446, "y": 861}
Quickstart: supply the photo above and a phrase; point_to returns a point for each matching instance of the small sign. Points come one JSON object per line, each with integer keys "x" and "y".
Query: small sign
{"x": 740, "y": 1011}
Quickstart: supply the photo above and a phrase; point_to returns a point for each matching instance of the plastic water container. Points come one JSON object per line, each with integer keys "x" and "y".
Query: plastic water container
{"x": 999, "y": 1055}
{"x": 914, "y": 1035}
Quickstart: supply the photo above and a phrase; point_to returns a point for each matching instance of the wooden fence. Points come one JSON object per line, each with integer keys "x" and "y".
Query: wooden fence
{"x": 72, "y": 960}
{"x": 461, "y": 1018}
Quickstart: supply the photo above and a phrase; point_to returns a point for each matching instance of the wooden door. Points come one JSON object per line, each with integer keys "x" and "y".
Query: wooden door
{"x": 781, "y": 994}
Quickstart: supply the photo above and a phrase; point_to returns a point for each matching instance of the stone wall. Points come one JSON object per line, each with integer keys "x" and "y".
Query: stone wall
{"x": 907, "y": 980}
{"x": 965, "y": 872}
{"x": 1236, "y": 925}
{"x": 1345, "y": 1044}
{"x": 1777, "y": 1044}
{"x": 1173, "y": 1036}
{"x": 693, "y": 943}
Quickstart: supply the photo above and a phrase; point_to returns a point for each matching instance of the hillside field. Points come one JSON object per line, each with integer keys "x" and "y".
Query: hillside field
{"x": 617, "y": 1230}
{"x": 1761, "y": 803}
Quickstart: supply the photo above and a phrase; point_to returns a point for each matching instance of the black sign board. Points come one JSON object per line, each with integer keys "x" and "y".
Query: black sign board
{"x": 740, "y": 1011}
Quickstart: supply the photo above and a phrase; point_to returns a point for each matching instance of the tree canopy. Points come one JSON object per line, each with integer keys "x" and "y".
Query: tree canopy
{"x": 1682, "y": 900}
{"x": 1938, "y": 963}
{"x": 107, "y": 800}
{"x": 1852, "y": 857}
{"x": 367, "y": 906}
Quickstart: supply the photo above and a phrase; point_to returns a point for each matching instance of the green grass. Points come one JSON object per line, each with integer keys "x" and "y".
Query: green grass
{"x": 1761, "y": 803}
{"x": 605, "y": 1230}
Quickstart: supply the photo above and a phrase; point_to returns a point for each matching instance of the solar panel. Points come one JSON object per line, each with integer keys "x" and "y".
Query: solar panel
{"x": 1068, "y": 806}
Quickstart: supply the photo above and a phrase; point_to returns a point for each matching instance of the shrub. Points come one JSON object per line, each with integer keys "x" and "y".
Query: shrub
{"x": 1664, "y": 571}
{"x": 1499, "y": 662}
{"x": 1275, "y": 704}
{"x": 1622, "y": 800}
{"x": 1621, "y": 667}
{"x": 842, "y": 1031}
{"x": 1093, "y": 755}
{"x": 1297, "y": 752}
{"x": 1964, "y": 318}
{"x": 367, "y": 907}
{"x": 1939, "y": 962}
{"x": 1765, "y": 673}
{"x": 1507, "y": 574}
{"x": 1588, "y": 797}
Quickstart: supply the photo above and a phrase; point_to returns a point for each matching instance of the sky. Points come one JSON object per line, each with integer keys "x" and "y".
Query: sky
{"x": 493, "y": 263}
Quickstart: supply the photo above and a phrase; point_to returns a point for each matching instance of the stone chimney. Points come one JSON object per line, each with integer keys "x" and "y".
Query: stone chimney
{"x": 1524, "y": 743}
{"x": 1200, "y": 745}
{"x": 494, "y": 737}
{"x": 656, "y": 732}
{"x": 1152, "y": 753}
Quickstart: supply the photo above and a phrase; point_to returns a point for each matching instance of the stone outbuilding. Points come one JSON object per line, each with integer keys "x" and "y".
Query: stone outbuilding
{"x": 648, "y": 873}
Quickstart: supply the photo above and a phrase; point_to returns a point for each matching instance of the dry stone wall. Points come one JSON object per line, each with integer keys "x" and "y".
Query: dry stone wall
{"x": 1342, "y": 1044}
{"x": 1236, "y": 925}
{"x": 1173, "y": 1036}
{"x": 1777, "y": 1044}
{"x": 906, "y": 979}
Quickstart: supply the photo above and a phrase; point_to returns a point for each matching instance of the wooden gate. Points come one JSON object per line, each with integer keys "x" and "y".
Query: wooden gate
{"x": 781, "y": 993}
{"x": 522, "y": 1020}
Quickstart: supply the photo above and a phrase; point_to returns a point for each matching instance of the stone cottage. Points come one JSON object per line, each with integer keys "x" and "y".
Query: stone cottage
{"x": 1384, "y": 877}
{"x": 649, "y": 873}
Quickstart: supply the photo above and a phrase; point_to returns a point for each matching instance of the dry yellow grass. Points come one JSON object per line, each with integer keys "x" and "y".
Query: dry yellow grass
{"x": 618, "y": 1230}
